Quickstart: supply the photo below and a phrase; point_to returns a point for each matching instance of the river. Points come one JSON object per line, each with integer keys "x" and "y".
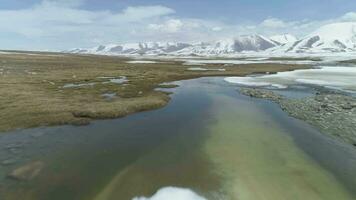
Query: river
{"x": 209, "y": 142}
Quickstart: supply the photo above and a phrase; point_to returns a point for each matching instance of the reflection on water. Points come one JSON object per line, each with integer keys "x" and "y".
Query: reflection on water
{"x": 209, "y": 139}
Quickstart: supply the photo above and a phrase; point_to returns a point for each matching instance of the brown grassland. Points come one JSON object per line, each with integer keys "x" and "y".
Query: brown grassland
{"x": 32, "y": 92}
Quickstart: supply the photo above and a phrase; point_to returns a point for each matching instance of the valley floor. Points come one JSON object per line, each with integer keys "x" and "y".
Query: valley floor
{"x": 41, "y": 89}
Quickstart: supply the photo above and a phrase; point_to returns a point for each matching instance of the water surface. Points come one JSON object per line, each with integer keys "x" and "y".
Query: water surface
{"x": 209, "y": 139}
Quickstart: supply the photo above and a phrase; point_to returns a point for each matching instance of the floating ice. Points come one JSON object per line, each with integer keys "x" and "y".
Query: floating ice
{"x": 173, "y": 193}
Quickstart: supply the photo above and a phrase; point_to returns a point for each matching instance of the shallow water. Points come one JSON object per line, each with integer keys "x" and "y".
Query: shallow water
{"x": 209, "y": 139}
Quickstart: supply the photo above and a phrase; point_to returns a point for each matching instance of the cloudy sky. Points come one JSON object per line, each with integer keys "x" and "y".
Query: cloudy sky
{"x": 65, "y": 24}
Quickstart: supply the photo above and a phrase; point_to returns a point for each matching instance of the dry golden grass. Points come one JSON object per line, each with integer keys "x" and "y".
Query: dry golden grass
{"x": 32, "y": 93}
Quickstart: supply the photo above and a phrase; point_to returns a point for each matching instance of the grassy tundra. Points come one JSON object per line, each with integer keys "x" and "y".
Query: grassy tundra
{"x": 41, "y": 89}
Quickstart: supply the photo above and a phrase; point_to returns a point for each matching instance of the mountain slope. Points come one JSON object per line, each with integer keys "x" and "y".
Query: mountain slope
{"x": 284, "y": 39}
{"x": 337, "y": 37}
{"x": 240, "y": 44}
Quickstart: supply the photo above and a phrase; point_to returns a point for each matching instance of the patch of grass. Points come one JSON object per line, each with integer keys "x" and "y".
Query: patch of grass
{"x": 32, "y": 93}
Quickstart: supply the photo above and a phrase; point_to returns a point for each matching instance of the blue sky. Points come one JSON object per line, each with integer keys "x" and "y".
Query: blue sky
{"x": 64, "y": 24}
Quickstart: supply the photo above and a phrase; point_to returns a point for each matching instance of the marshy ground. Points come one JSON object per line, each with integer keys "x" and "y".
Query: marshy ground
{"x": 41, "y": 89}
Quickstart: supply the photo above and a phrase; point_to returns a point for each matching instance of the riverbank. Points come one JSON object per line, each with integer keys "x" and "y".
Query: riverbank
{"x": 332, "y": 114}
{"x": 45, "y": 89}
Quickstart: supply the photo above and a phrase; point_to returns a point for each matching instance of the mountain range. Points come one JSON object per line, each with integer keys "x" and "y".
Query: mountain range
{"x": 336, "y": 37}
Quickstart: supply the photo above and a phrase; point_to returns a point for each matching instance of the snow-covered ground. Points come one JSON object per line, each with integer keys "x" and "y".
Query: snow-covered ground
{"x": 340, "y": 78}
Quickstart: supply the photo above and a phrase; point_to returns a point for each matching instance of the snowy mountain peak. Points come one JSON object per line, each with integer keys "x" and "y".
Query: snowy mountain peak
{"x": 253, "y": 43}
{"x": 344, "y": 32}
{"x": 337, "y": 37}
{"x": 284, "y": 38}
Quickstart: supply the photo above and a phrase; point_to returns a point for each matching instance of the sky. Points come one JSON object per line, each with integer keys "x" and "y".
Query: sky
{"x": 66, "y": 24}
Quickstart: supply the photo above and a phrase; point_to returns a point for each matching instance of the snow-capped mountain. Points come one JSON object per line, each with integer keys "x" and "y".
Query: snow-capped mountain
{"x": 243, "y": 43}
{"x": 134, "y": 48}
{"x": 284, "y": 38}
{"x": 252, "y": 43}
{"x": 337, "y": 37}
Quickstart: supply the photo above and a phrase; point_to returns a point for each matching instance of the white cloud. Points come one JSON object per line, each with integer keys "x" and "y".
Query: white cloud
{"x": 169, "y": 26}
{"x": 64, "y": 3}
{"x": 299, "y": 28}
{"x": 217, "y": 28}
{"x": 350, "y": 16}
{"x": 273, "y": 23}
{"x": 144, "y": 12}
{"x": 63, "y": 24}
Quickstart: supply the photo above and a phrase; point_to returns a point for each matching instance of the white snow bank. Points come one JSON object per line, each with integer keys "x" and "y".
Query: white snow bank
{"x": 341, "y": 78}
{"x": 173, "y": 193}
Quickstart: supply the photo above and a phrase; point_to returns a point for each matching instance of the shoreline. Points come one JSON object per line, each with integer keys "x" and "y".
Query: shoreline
{"x": 333, "y": 114}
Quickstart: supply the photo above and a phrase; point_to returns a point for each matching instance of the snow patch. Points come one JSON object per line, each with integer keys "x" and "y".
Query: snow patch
{"x": 340, "y": 78}
{"x": 173, "y": 193}
{"x": 109, "y": 96}
{"x": 119, "y": 80}
{"x": 73, "y": 85}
